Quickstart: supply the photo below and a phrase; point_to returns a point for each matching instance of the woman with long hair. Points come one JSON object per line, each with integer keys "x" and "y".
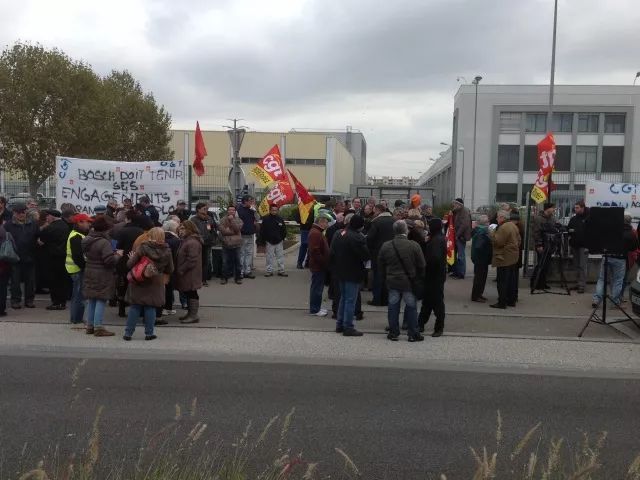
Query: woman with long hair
{"x": 149, "y": 294}
{"x": 188, "y": 278}
{"x": 98, "y": 285}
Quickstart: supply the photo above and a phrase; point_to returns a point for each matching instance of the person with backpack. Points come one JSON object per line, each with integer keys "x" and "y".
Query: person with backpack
{"x": 146, "y": 293}
{"x": 98, "y": 285}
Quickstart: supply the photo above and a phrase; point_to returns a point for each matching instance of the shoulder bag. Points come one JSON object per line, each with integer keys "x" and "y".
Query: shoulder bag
{"x": 417, "y": 282}
{"x": 7, "y": 253}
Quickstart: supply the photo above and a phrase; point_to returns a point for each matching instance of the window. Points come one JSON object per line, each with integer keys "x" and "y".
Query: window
{"x": 612, "y": 159}
{"x": 586, "y": 159}
{"x": 309, "y": 162}
{"x": 510, "y": 122}
{"x": 562, "y": 122}
{"x": 563, "y": 158}
{"x": 507, "y": 192}
{"x": 248, "y": 160}
{"x": 531, "y": 158}
{"x": 588, "y": 122}
{"x": 536, "y": 122}
{"x": 614, "y": 123}
{"x": 508, "y": 158}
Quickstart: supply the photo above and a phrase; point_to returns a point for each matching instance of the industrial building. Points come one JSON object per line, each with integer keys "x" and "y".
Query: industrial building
{"x": 597, "y": 137}
{"x": 320, "y": 160}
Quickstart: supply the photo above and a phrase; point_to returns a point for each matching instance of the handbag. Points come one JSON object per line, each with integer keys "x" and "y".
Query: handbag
{"x": 7, "y": 253}
{"x": 417, "y": 282}
{"x": 143, "y": 270}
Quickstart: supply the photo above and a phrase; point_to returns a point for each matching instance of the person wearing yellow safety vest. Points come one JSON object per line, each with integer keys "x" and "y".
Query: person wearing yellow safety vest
{"x": 75, "y": 264}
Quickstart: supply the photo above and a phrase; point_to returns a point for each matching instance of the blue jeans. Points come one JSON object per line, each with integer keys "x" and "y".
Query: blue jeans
{"x": 461, "y": 258}
{"x": 410, "y": 311}
{"x": 618, "y": 268}
{"x": 95, "y": 312}
{"x": 231, "y": 263}
{"x": 317, "y": 288}
{"x": 247, "y": 253}
{"x": 76, "y": 311}
{"x": 304, "y": 245}
{"x": 134, "y": 314}
{"x": 347, "y": 308}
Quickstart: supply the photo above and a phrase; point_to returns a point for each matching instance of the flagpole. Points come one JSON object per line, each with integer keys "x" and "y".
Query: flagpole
{"x": 552, "y": 85}
{"x": 187, "y": 161}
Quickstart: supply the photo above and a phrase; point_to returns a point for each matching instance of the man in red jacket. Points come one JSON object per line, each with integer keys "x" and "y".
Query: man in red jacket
{"x": 318, "y": 264}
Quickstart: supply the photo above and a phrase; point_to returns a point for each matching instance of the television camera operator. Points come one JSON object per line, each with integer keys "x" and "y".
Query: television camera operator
{"x": 578, "y": 243}
{"x": 545, "y": 232}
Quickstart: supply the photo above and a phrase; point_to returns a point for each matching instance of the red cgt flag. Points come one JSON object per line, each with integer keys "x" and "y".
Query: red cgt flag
{"x": 451, "y": 242}
{"x": 201, "y": 152}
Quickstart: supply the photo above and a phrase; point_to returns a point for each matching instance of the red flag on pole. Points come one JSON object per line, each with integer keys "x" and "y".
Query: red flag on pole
{"x": 451, "y": 242}
{"x": 201, "y": 152}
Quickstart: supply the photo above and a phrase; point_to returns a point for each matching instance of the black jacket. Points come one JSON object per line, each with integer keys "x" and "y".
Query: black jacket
{"x": 207, "y": 229}
{"x": 54, "y": 238}
{"x": 578, "y": 237}
{"x": 26, "y": 238}
{"x": 273, "y": 230}
{"x": 629, "y": 243}
{"x": 5, "y": 216}
{"x": 542, "y": 225}
{"x": 307, "y": 226}
{"x": 348, "y": 255}
{"x": 75, "y": 244}
{"x": 435, "y": 255}
{"x": 381, "y": 231}
{"x": 183, "y": 215}
{"x": 127, "y": 237}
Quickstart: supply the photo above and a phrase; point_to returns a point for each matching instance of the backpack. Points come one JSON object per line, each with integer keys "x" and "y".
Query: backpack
{"x": 7, "y": 253}
{"x": 143, "y": 270}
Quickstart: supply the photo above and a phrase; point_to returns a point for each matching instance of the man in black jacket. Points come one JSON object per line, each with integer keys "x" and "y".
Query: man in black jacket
{"x": 272, "y": 233}
{"x": 381, "y": 231}
{"x": 53, "y": 238}
{"x": 25, "y": 233}
{"x": 435, "y": 255}
{"x": 578, "y": 243}
{"x": 348, "y": 255}
{"x": 181, "y": 211}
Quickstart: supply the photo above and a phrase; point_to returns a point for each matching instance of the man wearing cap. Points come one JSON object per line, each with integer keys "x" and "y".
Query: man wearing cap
{"x": 75, "y": 264}
{"x": 150, "y": 210}
{"x": 318, "y": 263}
{"x": 348, "y": 255}
{"x": 25, "y": 232}
{"x": 99, "y": 211}
{"x": 53, "y": 240}
{"x": 543, "y": 225}
{"x": 181, "y": 211}
{"x": 427, "y": 212}
{"x": 462, "y": 226}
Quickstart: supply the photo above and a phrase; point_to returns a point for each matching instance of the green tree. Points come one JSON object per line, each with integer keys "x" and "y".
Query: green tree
{"x": 52, "y": 105}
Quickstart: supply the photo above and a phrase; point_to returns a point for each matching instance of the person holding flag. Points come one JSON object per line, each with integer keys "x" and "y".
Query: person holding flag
{"x": 436, "y": 255}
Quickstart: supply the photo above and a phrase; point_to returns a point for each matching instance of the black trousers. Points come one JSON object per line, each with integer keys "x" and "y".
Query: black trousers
{"x": 335, "y": 283}
{"x": 507, "y": 285}
{"x": 433, "y": 302}
{"x": 4, "y": 283}
{"x": 23, "y": 273}
{"x": 544, "y": 260}
{"x": 58, "y": 281}
{"x": 480, "y": 273}
{"x": 206, "y": 263}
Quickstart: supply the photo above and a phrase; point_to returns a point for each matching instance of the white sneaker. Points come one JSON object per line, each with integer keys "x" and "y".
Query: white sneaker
{"x": 321, "y": 313}
{"x": 166, "y": 313}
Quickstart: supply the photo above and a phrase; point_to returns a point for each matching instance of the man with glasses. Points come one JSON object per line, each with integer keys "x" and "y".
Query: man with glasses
{"x": 25, "y": 232}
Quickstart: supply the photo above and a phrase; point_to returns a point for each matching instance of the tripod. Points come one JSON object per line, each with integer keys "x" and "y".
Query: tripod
{"x": 594, "y": 315}
{"x": 547, "y": 257}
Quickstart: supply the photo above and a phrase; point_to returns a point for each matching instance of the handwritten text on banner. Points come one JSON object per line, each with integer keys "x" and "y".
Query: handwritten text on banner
{"x": 88, "y": 183}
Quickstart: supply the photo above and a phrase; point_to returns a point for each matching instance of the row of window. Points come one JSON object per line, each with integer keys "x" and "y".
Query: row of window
{"x": 289, "y": 161}
{"x": 562, "y": 122}
{"x": 586, "y": 158}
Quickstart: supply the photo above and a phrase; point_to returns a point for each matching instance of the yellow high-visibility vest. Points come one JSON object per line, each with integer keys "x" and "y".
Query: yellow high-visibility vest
{"x": 69, "y": 263}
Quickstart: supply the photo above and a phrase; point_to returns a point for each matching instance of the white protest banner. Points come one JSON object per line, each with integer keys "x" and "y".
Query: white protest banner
{"x": 607, "y": 194}
{"x": 88, "y": 183}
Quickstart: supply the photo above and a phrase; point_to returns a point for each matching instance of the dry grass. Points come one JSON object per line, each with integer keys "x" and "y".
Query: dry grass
{"x": 180, "y": 451}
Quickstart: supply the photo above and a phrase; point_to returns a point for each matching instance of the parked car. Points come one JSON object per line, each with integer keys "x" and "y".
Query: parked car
{"x": 634, "y": 294}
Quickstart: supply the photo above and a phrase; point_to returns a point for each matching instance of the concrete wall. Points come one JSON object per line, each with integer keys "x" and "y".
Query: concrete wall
{"x": 343, "y": 171}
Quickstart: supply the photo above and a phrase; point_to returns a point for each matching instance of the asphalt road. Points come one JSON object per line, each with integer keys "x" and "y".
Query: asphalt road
{"x": 393, "y": 423}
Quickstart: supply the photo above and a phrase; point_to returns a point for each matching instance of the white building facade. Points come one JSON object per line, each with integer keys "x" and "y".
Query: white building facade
{"x": 595, "y": 127}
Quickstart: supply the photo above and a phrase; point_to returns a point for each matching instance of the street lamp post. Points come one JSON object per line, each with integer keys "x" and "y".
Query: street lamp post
{"x": 637, "y": 75}
{"x": 476, "y": 81}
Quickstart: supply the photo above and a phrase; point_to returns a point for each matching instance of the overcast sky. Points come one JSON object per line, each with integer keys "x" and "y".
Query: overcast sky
{"x": 385, "y": 67}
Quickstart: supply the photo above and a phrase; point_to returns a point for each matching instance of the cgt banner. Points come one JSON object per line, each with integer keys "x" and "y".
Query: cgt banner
{"x": 88, "y": 183}
{"x": 270, "y": 168}
{"x": 606, "y": 194}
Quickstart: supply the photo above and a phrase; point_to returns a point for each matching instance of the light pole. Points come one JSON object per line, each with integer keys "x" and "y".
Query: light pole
{"x": 637, "y": 75}
{"x": 461, "y": 150}
{"x": 552, "y": 84}
{"x": 476, "y": 81}
{"x": 236, "y": 177}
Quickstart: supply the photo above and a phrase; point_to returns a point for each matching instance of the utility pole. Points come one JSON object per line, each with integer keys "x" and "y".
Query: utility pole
{"x": 236, "y": 176}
